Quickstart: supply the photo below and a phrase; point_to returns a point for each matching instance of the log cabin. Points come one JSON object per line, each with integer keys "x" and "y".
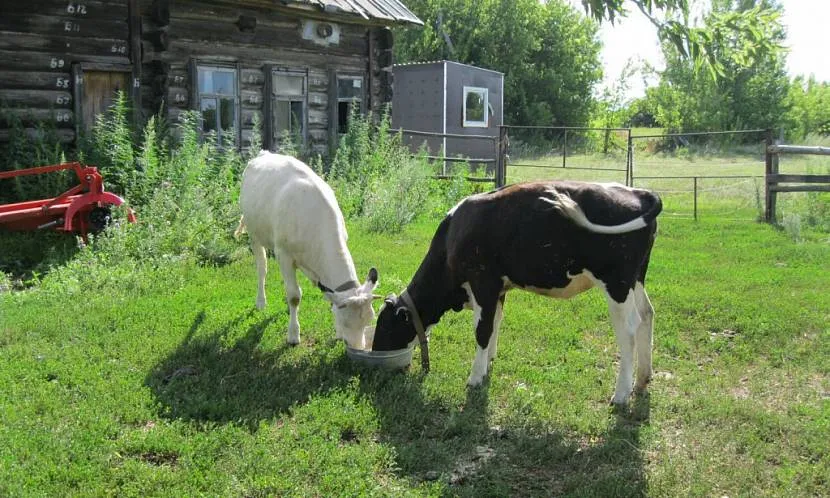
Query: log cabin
{"x": 295, "y": 65}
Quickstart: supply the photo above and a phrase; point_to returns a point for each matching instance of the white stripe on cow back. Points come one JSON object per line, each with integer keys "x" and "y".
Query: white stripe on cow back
{"x": 569, "y": 208}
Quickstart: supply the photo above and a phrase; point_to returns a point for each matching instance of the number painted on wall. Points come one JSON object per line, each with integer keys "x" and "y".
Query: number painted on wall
{"x": 77, "y": 9}
{"x": 118, "y": 49}
{"x": 62, "y": 83}
{"x": 253, "y": 99}
{"x": 55, "y": 63}
{"x": 71, "y": 27}
{"x": 179, "y": 98}
{"x": 178, "y": 79}
{"x": 63, "y": 117}
{"x": 63, "y": 99}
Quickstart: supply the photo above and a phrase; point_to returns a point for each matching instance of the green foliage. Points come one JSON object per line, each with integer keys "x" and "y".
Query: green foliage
{"x": 27, "y": 149}
{"x": 810, "y": 111}
{"x": 375, "y": 176}
{"x": 752, "y": 89}
{"x": 548, "y": 52}
{"x": 740, "y": 23}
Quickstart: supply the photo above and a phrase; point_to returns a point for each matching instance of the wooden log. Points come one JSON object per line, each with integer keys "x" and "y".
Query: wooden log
{"x": 81, "y": 9}
{"x": 33, "y": 80}
{"x": 160, "y": 12}
{"x": 283, "y": 57}
{"x": 248, "y": 116}
{"x": 799, "y": 188}
{"x": 159, "y": 39}
{"x": 251, "y": 99}
{"x": 178, "y": 97}
{"x": 219, "y": 31}
{"x": 799, "y": 149}
{"x": 61, "y": 118}
{"x": 64, "y": 135}
{"x": 112, "y": 28}
{"x": 252, "y": 77}
{"x": 59, "y": 62}
{"x": 116, "y": 49}
{"x": 798, "y": 178}
{"x": 318, "y": 117}
{"x": 36, "y": 98}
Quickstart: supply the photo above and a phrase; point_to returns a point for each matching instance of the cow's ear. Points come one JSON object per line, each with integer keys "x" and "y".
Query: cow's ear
{"x": 373, "y": 276}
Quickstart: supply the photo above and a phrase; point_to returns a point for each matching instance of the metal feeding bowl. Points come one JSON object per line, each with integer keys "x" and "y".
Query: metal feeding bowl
{"x": 391, "y": 360}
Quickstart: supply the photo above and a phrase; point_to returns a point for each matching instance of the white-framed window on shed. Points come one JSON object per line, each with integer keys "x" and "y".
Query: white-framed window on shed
{"x": 349, "y": 93}
{"x": 218, "y": 91}
{"x": 289, "y": 93}
{"x": 476, "y": 105}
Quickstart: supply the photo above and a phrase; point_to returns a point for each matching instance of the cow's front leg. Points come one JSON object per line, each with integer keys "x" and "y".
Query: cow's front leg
{"x": 483, "y": 302}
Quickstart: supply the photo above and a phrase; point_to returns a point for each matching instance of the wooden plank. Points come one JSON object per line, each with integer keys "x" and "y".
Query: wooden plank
{"x": 798, "y": 178}
{"x": 61, "y": 99}
{"x": 33, "y": 80}
{"x": 248, "y": 118}
{"x": 22, "y": 60}
{"x": 273, "y": 37}
{"x": 81, "y": 9}
{"x": 799, "y": 149}
{"x": 284, "y": 56}
{"x": 70, "y": 27}
{"x": 799, "y": 188}
{"x": 96, "y": 46}
{"x": 251, "y": 99}
{"x": 61, "y": 118}
{"x": 64, "y": 135}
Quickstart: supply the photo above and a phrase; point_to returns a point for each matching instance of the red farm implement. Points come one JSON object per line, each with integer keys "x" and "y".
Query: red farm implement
{"x": 82, "y": 209}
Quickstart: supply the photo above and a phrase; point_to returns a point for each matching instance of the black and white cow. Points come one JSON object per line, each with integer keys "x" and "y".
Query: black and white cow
{"x": 553, "y": 238}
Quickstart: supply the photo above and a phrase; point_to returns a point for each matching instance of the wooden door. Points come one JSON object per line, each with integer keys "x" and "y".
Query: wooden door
{"x": 99, "y": 91}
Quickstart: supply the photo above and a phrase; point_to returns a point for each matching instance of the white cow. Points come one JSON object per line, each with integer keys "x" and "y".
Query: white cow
{"x": 287, "y": 208}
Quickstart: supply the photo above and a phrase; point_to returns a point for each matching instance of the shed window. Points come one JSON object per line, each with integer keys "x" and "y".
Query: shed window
{"x": 217, "y": 101}
{"x": 288, "y": 91}
{"x": 349, "y": 92}
{"x": 475, "y": 107}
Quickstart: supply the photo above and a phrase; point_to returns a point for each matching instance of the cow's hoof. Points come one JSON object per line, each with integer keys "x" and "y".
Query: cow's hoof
{"x": 475, "y": 380}
{"x": 620, "y": 400}
{"x": 260, "y": 305}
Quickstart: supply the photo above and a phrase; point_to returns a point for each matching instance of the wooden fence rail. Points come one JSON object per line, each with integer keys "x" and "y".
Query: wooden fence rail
{"x": 774, "y": 179}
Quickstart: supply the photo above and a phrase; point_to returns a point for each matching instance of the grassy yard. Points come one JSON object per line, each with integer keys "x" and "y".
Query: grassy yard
{"x": 167, "y": 382}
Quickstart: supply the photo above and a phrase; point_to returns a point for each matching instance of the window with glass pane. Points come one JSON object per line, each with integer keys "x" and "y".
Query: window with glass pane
{"x": 217, "y": 97}
{"x": 289, "y": 99}
{"x": 475, "y": 107}
{"x": 349, "y": 93}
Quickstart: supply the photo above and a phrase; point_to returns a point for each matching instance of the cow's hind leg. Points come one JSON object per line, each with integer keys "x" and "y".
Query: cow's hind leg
{"x": 644, "y": 338}
{"x": 626, "y": 320}
{"x": 293, "y": 294}
{"x": 261, "y": 258}
{"x": 483, "y": 301}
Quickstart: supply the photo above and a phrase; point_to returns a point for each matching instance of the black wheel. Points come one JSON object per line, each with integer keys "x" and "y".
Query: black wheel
{"x": 99, "y": 218}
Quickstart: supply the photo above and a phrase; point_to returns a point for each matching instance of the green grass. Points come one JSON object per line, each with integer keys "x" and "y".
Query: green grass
{"x": 172, "y": 384}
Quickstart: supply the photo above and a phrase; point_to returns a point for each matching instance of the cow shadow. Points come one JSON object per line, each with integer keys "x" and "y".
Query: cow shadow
{"x": 222, "y": 376}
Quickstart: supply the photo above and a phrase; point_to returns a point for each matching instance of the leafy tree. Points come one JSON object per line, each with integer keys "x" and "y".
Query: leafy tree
{"x": 810, "y": 108}
{"x": 750, "y": 93}
{"x": 548, "y": 52}
{"x": 700, "y": 44}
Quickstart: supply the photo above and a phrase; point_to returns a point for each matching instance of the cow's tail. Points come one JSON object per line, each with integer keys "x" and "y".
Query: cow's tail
{"x": 240, "y": 229}
{"x": 570, "y": 208}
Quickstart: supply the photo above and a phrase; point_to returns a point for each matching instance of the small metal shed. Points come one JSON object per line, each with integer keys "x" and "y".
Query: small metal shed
{"x": 449, "y": 98}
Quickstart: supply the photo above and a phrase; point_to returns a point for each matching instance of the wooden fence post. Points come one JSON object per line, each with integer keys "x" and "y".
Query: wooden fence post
{"x": 501, "y": 162}
{"x": 769, "y": 193}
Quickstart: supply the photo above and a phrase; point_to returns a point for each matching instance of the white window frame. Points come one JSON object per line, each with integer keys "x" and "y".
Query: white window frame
{"x": 469, "y": 123}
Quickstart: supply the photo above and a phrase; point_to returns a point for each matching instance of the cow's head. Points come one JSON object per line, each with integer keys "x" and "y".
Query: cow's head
{"x": 352, "y": 309}
{"x": 395, "y": 328}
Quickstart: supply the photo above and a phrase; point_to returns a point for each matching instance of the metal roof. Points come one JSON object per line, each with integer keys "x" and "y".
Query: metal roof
{"x": 431, "y": 63}
{"x": 387, "y": 11}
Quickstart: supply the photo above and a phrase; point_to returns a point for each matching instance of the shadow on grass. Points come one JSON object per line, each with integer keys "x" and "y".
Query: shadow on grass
{"x": 26, "y": 254}
{"x": 209, "y": 378}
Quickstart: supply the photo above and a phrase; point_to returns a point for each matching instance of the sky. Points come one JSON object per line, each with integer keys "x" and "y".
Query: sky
{"x": 808, "y": 39}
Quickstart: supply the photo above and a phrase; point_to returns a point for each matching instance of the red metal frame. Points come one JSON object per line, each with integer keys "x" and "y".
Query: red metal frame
{"x": 68, "y": 211}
